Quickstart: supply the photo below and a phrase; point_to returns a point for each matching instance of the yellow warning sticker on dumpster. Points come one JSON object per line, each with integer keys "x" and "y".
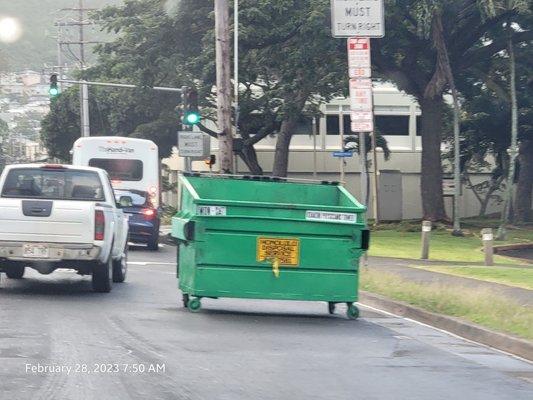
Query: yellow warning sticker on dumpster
{"x": 286, "y": 251}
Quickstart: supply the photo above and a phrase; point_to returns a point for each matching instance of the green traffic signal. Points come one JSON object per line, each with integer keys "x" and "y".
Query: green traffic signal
{"x": 53, "y": 91}
{"x": 192, "y": 118}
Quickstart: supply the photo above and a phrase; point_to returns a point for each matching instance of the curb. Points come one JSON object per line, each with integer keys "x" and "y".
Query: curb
{"x": 517, "y": 246}
{"x": 510, "y": 344}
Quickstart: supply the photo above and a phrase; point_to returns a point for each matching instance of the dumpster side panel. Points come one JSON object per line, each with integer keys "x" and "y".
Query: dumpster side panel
{"x": 240, "y": 249}
{"x": 258, "y": 283}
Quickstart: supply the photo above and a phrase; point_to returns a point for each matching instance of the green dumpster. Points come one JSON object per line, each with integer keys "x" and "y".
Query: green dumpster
{"x": 268, "y": 238}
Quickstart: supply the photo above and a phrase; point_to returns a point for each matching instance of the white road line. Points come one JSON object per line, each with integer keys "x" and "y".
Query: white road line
{"x": 154, "y": 272}
{"x": 144, "y": 264}
{"x": 447, "y": 332}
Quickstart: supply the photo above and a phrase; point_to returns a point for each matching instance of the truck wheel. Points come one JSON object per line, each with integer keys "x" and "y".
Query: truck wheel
{"x": 15, "y": 271}
{"x": 102, "y": 276}
{"x": 120, "y": 267}
{"x": 153, "y": 244}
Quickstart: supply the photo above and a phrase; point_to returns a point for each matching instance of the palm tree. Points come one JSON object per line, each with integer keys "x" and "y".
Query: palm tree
{"x": 429, "y": 14}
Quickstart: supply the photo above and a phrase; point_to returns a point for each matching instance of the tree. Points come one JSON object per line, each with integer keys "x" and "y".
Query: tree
{"x": 282, "y": 75}
{"x": 525, "y": 182}
{"x": 411, "y": 59}
{"x": 489, "y": 116}
{"x": 4, "y": 134}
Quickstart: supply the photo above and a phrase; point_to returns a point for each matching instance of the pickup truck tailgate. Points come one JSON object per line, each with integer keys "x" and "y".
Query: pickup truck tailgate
{"x": 51, "y": 221}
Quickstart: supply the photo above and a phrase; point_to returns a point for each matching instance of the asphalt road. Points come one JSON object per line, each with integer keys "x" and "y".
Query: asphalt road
{"x": 59, "y": 340}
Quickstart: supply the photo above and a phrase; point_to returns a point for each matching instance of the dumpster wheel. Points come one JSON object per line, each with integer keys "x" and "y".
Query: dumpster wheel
{"x": 194, "y": 304}
{"x": 331, "y": 307}
{"x": 353, "y": 311}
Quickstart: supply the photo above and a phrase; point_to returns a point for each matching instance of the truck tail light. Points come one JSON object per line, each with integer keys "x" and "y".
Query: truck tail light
{"x": 99, "y": 225}
{"x": 148, "y": 213}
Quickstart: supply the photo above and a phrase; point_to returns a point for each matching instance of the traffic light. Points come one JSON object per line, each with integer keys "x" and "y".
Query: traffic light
{"x": 211, "y": 160}
{"x": 191, "y": 112}
{"x": 54, "y": 90}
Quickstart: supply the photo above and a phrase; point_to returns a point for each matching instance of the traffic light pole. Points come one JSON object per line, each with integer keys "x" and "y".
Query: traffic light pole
{"x": 119, "y": 85}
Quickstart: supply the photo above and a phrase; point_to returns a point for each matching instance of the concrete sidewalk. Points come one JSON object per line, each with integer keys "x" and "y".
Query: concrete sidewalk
{"x": 401, "y": 267}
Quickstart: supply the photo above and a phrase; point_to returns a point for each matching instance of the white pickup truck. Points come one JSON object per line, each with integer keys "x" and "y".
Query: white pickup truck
{"x": 60, "y": 216}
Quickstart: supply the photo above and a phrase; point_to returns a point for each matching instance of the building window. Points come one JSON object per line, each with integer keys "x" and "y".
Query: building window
{"x": 333, "y": 125}
{"x": 304, "y": 126}
{"x": 392, "y": 125}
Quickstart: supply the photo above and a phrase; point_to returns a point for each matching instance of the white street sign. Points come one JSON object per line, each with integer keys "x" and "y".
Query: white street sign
{"x": 362, "y": 121}
{"x": 361, "y": 95}
{"x": 193, "y": 144}
{"x": 359, "y": 64}
{"x": 365, "y": 18}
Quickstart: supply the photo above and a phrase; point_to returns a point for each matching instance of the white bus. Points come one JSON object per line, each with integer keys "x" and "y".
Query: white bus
{"x": 132, "y": 164}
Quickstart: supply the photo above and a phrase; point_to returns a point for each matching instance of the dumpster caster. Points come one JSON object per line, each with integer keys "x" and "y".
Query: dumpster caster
{"x": 331, "y": 307}
{"x": 185, "y": 299}
{"x": 352, "y": 312}
{"x": 194, "y": 305}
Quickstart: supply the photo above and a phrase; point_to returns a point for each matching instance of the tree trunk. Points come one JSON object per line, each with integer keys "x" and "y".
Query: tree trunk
{"x": 513, "y": 151}
{"x": 281, "y": 158}
{"x": 249, "y": 156}
{"x": 444, "y": 64}
{"x": 524, "y": 190}
{"x": 431, "y": 171}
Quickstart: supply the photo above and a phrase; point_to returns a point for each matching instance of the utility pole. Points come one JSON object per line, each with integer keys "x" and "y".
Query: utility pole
{"x": 84, "y": 89}
{"x": 59, "y": 55}
{"x": 236, "y": 73}
{"x": 375, "y": 194}
{"x": 84, "y": 93}
{"x": 341, "y": 159}
{"x": 362, "y": 160}
{"x": 236, "y": 62}
{"x": 225, "y": 135}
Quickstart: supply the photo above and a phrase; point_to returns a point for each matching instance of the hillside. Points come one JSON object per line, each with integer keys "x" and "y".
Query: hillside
{"x": 38, "y": 44}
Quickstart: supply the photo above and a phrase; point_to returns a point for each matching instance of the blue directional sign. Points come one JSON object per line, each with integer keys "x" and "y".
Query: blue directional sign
{"x": 342, "y": 154}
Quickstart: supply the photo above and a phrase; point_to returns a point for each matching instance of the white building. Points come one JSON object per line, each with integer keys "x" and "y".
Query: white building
{"x": 397, "y": 117}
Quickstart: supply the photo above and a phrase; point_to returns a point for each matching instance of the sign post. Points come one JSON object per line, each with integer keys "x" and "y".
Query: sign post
{"x": 193, "y": 146}
{"x": 360, "y": 20}
{"x": 359, "y": 63}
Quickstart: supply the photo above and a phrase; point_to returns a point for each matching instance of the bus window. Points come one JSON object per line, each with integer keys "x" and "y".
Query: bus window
{"x": 123, "y": 170}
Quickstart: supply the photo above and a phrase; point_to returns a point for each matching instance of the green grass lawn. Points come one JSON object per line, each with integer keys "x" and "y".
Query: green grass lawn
{"x": 482, "y": 307}
{"x": 513, "y": 276}
{"x": 443, "y": 246}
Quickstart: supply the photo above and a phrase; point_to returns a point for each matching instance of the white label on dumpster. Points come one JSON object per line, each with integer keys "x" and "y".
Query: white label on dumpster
{"x": 342, "y": 218}
{"x": 211, "y": 211}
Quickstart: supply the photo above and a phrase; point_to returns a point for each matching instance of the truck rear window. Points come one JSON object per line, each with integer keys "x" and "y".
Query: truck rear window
{"x": 122, "y": 170}
{"x": 41, "y": 183}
